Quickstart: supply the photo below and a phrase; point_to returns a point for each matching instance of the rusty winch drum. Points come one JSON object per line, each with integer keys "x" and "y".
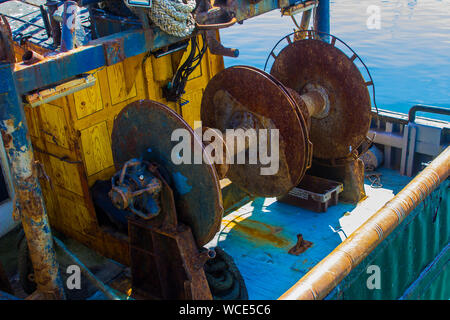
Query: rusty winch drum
{"x": 311, "y": 64}
{"x": 143, "y": 130}
{"x": 314, "y": 95}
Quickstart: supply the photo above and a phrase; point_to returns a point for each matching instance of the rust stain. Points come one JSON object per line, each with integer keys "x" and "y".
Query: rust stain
{"x": 261, "y": 232}
{"x": 7, "y": 138}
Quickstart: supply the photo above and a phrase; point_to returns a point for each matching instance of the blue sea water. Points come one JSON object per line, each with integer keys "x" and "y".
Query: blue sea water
{"x": 408, "y": 56}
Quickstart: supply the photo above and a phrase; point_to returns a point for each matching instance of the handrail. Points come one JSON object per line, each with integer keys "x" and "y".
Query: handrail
{"x": 329, "y": 272}
{"x": 431, "y": 109}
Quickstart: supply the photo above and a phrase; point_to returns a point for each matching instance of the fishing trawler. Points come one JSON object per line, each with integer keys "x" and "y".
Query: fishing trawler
{"x": 110, "y": 172}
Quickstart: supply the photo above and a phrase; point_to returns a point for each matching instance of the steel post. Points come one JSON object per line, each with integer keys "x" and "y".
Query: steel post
{"x": 323, "y": 19}
{"x": 28, "y": 191}
{"x": 68, "y": 25}
{"x": 54, "y": 25}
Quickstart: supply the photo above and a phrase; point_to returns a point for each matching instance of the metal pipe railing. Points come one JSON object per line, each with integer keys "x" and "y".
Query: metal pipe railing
{"x": 322, "y": 19}
{"x": 329, "y": 272}
{"x": 68, "y": 25}
{"x": 430, "y": 109}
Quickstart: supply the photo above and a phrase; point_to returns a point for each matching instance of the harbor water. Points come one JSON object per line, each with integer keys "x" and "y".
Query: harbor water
{"x": 408, "y": 52}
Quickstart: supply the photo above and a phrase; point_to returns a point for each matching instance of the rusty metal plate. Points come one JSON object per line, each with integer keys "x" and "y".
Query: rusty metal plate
{"x": 144, "y": 129}
{"x": 348, "y": 121}
{"x": 267, "y": 100}
{"x": 114, "y": 51}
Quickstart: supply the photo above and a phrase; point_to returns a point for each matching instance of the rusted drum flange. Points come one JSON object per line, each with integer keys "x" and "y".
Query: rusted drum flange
{"x": 144, "y": 129}
{"x": 310, "y": 62}
{"x": 301, "y": 109}
{"x": 242, "y": 92}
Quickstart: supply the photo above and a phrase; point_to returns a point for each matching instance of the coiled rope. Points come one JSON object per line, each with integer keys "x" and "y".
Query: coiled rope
{"x": 173, "y": 16}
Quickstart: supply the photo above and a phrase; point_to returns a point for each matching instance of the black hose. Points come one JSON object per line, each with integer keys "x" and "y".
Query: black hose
{"x": 175, "y": 89}
{"x": 224, "y": 279}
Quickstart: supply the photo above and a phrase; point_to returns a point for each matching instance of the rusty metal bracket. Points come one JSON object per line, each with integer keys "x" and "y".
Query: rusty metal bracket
{"x": 114, "y": 51}
{"x": 216, "y": 47}
{"x": 298, "y": 8}
{"x": 163, "y": 244}
{"x": 41, "y": 172}
{"x": 301, "y": 246}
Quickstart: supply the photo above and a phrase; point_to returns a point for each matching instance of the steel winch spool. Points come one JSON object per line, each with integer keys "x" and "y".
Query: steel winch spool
{"x": 175, "y": 209}
{"x": 316, "y": 97}
{"x": 311, "y": 65}
{"x": 143, "y": 130}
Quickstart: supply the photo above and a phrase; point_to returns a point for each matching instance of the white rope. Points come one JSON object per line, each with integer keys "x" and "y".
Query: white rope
{"x": 173, "y": 16}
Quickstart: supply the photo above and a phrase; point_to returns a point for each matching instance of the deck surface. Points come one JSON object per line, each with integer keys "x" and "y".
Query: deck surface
{"x": 259, "y": 235}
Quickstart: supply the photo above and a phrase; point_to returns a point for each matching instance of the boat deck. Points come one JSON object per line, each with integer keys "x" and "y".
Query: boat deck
{"x": 259, "y": 235}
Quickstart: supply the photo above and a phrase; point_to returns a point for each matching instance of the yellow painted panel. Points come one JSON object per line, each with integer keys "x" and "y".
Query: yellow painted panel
{"x": 66, "y": 175}
{"x": 191, "y": 110}
{"x": 54, "y": 125}
{"x": 96, "y": 148}
{"x": 162, "y": 68}
{"x": 31, "y": 121}
{"x": 152, "y": 88}
{"x": 88, "y": 101}
{"x": 117, "y": 84}
{"x": 105, "y": 174}
{"x": 75, "y": 215}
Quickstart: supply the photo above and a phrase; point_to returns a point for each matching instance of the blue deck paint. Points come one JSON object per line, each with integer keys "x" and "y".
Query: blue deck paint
{"x": 266, "y": 266}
